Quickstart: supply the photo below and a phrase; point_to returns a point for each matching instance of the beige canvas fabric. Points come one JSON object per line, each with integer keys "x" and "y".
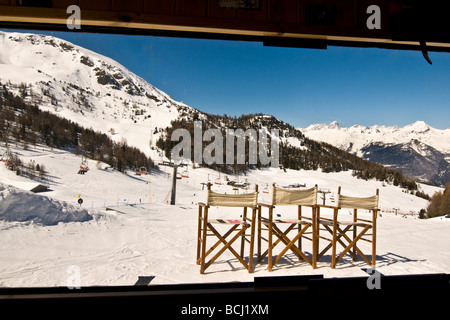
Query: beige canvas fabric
{"x": 368, "y": 203}
{"x": 232, "y": 200}
{"x": 283, "y": 197}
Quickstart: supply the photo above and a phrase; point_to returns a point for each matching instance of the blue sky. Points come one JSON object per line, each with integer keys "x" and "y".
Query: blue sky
{"x": 300, "y": 86}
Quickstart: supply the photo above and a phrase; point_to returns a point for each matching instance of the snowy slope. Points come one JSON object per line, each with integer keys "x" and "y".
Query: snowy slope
{"x": 99, "y": 188}
{"x": 86, "y": 87}
{"x": 140, "y": 234}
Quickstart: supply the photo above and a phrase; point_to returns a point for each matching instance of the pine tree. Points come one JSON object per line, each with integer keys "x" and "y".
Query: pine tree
{"x": 440, "y": 203}
{"x": 433, "y": 209}
{"x": 444, "y": 207}
{"x": 422, "y": 214}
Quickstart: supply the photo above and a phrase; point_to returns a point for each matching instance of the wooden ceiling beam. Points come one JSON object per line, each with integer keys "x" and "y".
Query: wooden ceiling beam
{"x": 276, "y": 22}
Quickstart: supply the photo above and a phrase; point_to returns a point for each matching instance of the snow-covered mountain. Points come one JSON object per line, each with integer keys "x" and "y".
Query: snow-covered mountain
{"x": 86, "y": 87}
{"x": 418, "y": 149}
{"x": 98, "y": 92}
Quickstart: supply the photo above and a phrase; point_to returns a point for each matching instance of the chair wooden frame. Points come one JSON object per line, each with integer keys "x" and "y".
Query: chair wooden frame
{"x": 239, "y": 226}
{"x": 301, "y": 225}
{"x": 339, "y": 229}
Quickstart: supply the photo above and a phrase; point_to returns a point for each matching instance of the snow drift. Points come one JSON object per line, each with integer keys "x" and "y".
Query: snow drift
{"x": 20, "y": 205}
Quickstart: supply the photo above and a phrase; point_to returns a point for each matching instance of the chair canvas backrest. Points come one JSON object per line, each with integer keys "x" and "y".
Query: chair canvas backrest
{"x": 285, "y": 197}
{"x": 231, "y": 200}
{"x": 369, "y": 203}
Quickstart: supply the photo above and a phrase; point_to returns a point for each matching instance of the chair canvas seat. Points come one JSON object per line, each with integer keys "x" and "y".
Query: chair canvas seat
{"x": 227, "y": 221}
{"x": 345, "y": 223}
{"x": 291, "y": 221}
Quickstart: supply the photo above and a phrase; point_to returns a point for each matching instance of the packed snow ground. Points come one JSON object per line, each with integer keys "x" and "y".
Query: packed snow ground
{"x": 141, "y": 235}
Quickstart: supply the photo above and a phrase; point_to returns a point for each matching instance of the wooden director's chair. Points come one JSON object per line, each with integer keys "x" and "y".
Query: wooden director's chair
{"x": 340, "y": 229}
{"x": 206, "y": 227}
{"x": 301, "y": 226}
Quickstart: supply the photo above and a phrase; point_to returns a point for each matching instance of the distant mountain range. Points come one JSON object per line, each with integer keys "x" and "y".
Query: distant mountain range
{"x": 417, "y": 150}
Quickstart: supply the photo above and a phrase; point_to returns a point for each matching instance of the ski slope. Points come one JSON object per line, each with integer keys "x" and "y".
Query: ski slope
{"x": 141, "y": 235}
